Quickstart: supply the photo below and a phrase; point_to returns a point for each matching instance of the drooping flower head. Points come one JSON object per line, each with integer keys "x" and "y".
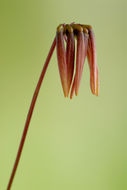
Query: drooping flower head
{"x": 65, "y": 44}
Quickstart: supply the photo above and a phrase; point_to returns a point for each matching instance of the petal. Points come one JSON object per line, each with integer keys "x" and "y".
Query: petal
{"x": 61, "y": 57}
{"x": 91, "y": 55}
{"x": 85, "y": 49}
{"x": 86, "y": 37}
{"x": 70, "y": 55}
{"x": 79, "y": 60}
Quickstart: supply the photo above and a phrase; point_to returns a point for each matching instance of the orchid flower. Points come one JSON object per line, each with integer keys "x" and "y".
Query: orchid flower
{"x": 65, "y": 46}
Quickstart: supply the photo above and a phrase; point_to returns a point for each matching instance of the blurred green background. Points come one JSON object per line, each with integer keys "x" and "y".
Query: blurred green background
{"x": 77, "y": 144}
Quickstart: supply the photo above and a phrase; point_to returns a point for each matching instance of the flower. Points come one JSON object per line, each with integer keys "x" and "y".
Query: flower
{"x": 66, "y": 34}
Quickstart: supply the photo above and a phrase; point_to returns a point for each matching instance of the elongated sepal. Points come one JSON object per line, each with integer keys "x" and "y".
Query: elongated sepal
{"x": 86, "y": 37}
{"x": 91, "y": 55}
{"x": 70, "y": 56}
{"x": 79, "y": 60}
{"x": 61, "y": 57}
{"x": 84, "y": 57}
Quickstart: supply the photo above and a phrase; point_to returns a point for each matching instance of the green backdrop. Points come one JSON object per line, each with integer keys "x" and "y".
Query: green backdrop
{"x": 77, "y": 144}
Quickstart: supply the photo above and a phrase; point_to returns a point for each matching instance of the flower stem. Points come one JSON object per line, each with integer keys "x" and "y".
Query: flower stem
{"x": 30, "y": 114}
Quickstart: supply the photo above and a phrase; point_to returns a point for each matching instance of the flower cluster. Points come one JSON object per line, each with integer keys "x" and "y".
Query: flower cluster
{"x": 66, "y": 34}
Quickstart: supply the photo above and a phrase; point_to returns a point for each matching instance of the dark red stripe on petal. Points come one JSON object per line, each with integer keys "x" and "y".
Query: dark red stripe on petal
{"x": 61, "y": 57}
{"x": 85, "y": 49}
{"x": 79, "y": 60}
{"x": 70, "y": 55}
{"x": 91, "y": 55}
{"x": 86, "y": 36}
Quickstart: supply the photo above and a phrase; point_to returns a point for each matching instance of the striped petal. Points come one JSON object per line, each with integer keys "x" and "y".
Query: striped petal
{"x": 79, "y": 60}
{"x": 61, "y": 57}
{"x": 86, "y": 37}
{"x": 70, "y": 55}
{"x": 85, "y": 53}
{"x": 91, "y": 55}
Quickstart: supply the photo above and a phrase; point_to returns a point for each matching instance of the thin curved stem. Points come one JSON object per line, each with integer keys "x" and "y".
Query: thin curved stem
{"x": 30, "y": 114}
